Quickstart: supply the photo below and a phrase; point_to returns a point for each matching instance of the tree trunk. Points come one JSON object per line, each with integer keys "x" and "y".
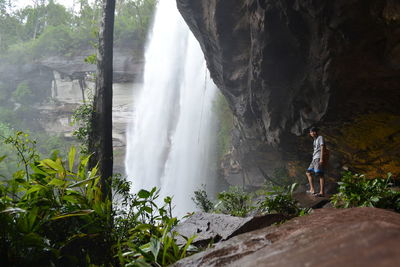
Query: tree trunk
{"x": 100, "y": 141}
{"x": 82, "y": 85}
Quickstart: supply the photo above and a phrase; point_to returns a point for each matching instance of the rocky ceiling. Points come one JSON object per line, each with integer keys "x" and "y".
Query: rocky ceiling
{"x": 286, "y": 65}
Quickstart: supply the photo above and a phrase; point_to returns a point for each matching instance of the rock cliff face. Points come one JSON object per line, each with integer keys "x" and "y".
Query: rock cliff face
{"x": 286, "y": 65}
{"x": 126, "y": 67}
{"x": 61, "y": 83}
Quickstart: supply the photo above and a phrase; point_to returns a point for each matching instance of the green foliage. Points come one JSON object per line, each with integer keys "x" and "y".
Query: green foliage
{"x": 151, "y": 240}
{"x": 11, "y": 141}
{"x": 201, "y": 200}
{"x": 235, "y": 202}
{"x": 10, "y": 165}
{"x": 10, "y": 26}
{"x": 54, "y": 40}
{"x": 54, "y": 215}
{"x": 57, "y": 15}
{"x": 25, "y": 149}
{"x": 91, "y": 59}
{"x": 132, "y": 22}
{"x": 225, "y": 125}
{"x": 280, "y": 200}
{"x": 23, "y": 94}
{"x": 47, "y": 29}
{"x": 356, "y": 190}
{"x": 82, "y": 117}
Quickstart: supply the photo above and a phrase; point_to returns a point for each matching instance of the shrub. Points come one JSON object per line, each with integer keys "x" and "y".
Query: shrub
{"x": 82, "y": 118}
{"x": 23, "y": 94}
{"x": 52, "y": 214}
{"x": 53, "y": 41}
{"x": 235, "y": 202}
{"x": 151, "y": 240}
{"x": 201, "y": 200}
{"x": 356, "y": 190}
{"x": 280, "y": 200}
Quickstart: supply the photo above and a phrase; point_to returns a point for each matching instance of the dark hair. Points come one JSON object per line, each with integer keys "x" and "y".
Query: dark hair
{"x": 314, "y": 129}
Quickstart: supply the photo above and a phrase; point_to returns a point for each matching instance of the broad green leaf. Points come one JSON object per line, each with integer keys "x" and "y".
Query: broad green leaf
{"x": 143, "y": 193}
{"x": 155, "y": 246}
{"x": 13, "y": 210}
{"x": 51, "y": 164}
{"x": 375, "y": 199}
{"x": 185, "y": 248}
{"x": 74, "y": 199}
{"x": 38, "y": 170}
{"x": 34, "y": 188}
{"x": 93, "y": 171}
{"x": 153, "y": 190}
{"x": 2, "y": 158}
{"x": 84, "y": 161}
{"x": 33, "y": 239}
{"x": 57, "y": 182}
{"x": 293, "y": 187}
{"x": 71, "y": 157}
{"x": 128, "y": 253}
{"x": 72, "y": 192}
{"x": 148, "y": 209}
{"x": 72, "y": 214}
{"x": 168, "y": 200}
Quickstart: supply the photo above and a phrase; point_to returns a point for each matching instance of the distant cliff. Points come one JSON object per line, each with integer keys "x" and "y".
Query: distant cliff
{"x": 285, "y": 65}
{"x": 58, "y": 84}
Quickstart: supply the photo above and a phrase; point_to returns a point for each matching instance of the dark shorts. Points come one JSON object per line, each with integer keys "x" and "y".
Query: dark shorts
{"x": 316, "y": 167}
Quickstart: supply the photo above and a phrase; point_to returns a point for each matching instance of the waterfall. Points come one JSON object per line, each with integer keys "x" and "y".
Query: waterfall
{"x": 170, "y": 140}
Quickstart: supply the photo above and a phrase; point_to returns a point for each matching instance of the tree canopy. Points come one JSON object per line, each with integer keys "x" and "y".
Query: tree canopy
{"x": 47, "y": 28}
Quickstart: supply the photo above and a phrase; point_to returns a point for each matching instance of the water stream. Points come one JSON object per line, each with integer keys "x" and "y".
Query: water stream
{"x": 170, "y": 140}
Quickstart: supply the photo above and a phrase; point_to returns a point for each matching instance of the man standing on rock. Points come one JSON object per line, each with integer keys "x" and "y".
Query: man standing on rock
{"x": 316, "y": 166}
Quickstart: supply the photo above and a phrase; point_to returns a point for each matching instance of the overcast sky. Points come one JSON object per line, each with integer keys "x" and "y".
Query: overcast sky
{"x": 22, "y": 3}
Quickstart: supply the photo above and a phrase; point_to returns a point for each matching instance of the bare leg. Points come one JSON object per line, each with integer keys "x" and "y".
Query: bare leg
{"x": 310, "y": 181}
{"x": 321, "y": 185}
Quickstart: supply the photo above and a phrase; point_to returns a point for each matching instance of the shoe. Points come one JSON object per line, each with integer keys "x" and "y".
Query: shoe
{"x": 310, "y": 193}
{"x": 319, "y": 195}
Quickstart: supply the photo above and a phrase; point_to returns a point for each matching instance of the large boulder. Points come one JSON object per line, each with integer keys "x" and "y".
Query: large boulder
{"x": 285, "y": 65}
{"x": 212, "y": 228}
{"x": 328, "y": 237}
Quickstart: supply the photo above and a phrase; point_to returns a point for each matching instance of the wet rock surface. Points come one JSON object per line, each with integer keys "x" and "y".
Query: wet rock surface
{"x": 327, "y": 237}
{"x": 306, "y": 200}
{"x": 210, "y": 227}
{"x": 285, "y": 65}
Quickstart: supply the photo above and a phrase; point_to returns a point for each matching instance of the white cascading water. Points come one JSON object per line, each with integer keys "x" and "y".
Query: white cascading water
{"x": 170, "y": 140}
